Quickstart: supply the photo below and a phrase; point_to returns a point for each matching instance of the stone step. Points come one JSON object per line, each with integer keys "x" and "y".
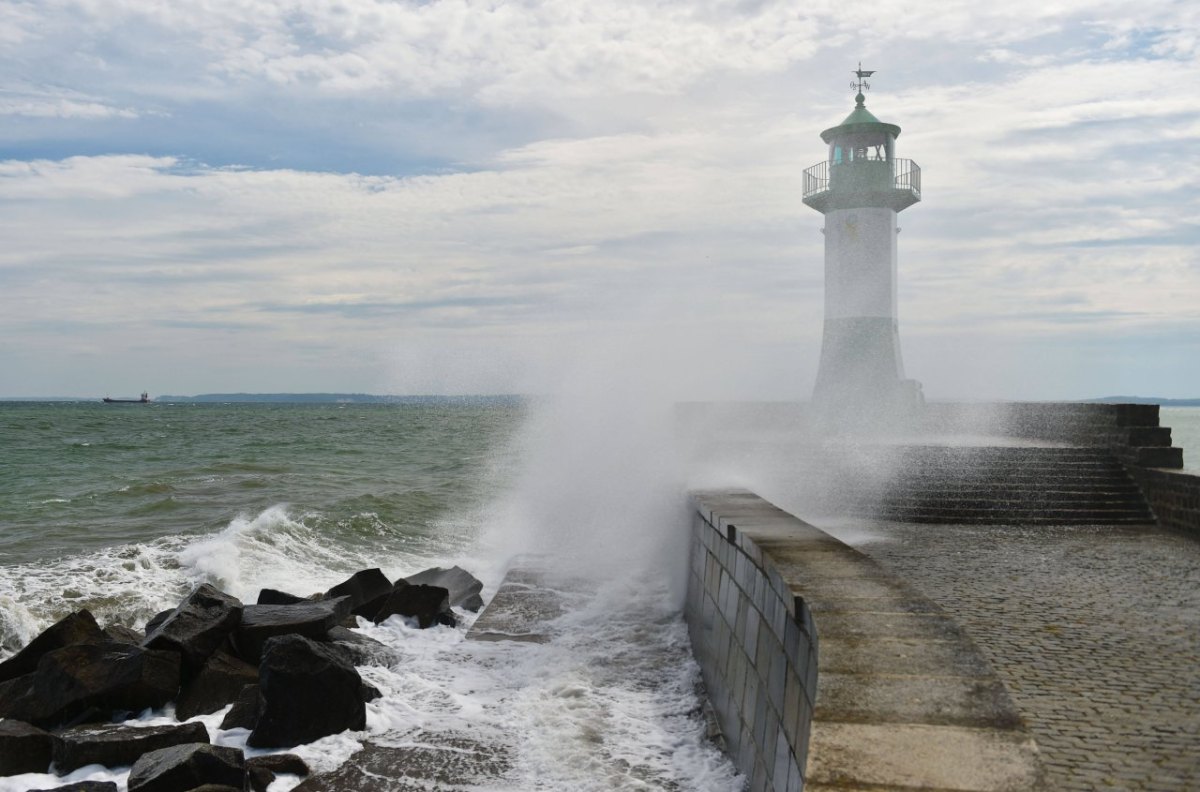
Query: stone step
{"x": 1068, "y": 484}
{"x": 996, "y": 485}
{"x": 1001, "y": 519}
{"x": 1012, "y": 498}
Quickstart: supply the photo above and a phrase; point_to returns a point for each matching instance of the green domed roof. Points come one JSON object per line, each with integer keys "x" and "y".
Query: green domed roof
{"x": 860, "y": 120}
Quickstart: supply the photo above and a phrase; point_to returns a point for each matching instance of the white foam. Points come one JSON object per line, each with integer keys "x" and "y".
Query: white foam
{"x": 129, "y": 583}
{"x": 609, "y": 704}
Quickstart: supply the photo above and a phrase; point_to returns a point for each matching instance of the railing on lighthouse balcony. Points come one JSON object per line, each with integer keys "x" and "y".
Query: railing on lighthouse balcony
{"x": 893, "y": 183}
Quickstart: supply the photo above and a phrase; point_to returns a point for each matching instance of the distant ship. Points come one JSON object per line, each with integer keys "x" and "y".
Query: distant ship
{"x": 144, "y": 400}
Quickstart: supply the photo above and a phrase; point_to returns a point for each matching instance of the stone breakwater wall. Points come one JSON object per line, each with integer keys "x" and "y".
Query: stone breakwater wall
{"x": 757, "y": 650}
{"x": 1173, "y": 495}
{"x": 904, "y": 698}
{"x": 1131, "y": 432}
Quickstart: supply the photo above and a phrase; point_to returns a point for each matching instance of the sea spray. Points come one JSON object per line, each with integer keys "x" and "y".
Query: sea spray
{"x": 600, "y": 489}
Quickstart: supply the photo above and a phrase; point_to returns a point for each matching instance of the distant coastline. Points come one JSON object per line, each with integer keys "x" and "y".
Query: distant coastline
{"x": 339, "y": 398}
{"x": 299, "y": 398}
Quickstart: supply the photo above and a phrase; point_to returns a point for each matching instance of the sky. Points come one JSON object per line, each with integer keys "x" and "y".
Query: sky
{"x": 455, "y": 196}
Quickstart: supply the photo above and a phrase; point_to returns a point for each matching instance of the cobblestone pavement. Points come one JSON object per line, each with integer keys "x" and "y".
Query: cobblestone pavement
{"x": 1095, "y": 631}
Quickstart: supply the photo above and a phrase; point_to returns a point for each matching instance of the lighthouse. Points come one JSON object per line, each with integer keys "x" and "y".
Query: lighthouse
{"x": 860, "y": 187}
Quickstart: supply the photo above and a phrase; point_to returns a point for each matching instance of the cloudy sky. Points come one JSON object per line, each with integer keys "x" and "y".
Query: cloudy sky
{"x": 415, "y": 196}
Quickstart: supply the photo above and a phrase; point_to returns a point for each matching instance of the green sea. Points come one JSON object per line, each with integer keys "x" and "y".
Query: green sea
{"x": 123, "y": 508}
{"x": 86, "y": 483}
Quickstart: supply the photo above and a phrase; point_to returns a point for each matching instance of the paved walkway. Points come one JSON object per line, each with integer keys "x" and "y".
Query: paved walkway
{"x": 1095, "y": 631}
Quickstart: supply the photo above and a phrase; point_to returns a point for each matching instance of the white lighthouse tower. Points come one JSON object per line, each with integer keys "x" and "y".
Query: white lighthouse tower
{"x": 859, "y": 188}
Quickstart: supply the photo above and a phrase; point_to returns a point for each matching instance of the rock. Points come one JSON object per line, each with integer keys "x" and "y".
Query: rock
{"x": 367, "y": 591}
{"x": 464, "y": 587}
{"x": 24, "y": 748}
{"x": 79, "y": 627}
{"x": 442, "y": 761}
{"x": 197, "y": 627}
{"x": 273, "y": 597}
{"x": 122, "y": 634}
{"x": 260, "y": 778}
{"x": 309, "y": 619}
{"x": 370, "y": 693}
{"x": 286, "y": 763}
{"x": 83, "y": 786}
{"x": 87, "y": 682}
{"x": 358, "y": 648}
{"x": 429, "y": 605}
{"x": 246, "y": 709}
{"x": 19, "y": 701}
{"x": 309, "y": 691}
{"x": 219, "y": 682}
{"x": 185, "y": 767}
{"x": 116, "y": 745}
{"x": 263, "y": 769}
{"x": 216, "y": 788}
{"x": 157, "y": 619}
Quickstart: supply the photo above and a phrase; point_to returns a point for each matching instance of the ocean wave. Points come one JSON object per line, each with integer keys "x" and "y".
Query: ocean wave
{"x": 149, "y": 488}
{"x": 128, "y": 583}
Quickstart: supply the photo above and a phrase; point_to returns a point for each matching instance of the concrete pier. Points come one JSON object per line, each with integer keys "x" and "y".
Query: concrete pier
{"x": 891, "y": 695}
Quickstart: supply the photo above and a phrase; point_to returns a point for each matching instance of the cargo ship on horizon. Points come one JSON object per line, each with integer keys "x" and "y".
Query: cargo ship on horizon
{"x": 144, "y": 400}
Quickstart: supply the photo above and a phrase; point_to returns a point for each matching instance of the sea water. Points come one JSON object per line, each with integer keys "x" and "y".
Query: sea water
{"x": 1185, "y": 433}
{"x": 122, "y": 509}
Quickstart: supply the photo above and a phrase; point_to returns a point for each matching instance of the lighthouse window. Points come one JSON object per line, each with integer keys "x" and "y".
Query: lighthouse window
{"x": 837, "y": 155}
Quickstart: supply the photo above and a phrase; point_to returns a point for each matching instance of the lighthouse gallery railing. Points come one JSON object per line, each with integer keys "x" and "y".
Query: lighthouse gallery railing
{"x": 906, "y": 175}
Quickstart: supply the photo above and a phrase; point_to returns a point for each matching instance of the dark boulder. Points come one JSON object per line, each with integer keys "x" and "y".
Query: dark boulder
{"x": 157, "y": 619}
{"x": 429, "y": 605}
{"x": 198, "y": 627}
{"x": 219, "y": 682}
{"x": 79, "y": 627}
{"x": 285, "y": 763}
{"x": 89, "y": 682}
{"x": 122, "y": 634}
{"x": 185, "y": 767}
{"x": 260, "y": 778}
{"x": 367, "y": 590}
{"x": 274, "y": 597}
{"x": 115, "y": 745}
{"x": 262, "y": 770}
{"x": 246, "y": 709}
{"x": 463, "y": 587}
{"x": 309, "y": 619}
{"x": 309, "y": 691}
{"x": 358, "y": 648}
{"x": 83, "y": 786}
{"x": 370, "y": 693}
{"x": 24, "y": 748}
{"x": 19, "y": 701}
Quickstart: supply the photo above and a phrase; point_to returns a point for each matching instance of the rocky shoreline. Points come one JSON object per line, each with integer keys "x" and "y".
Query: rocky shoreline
{"x": 286, "y": 664}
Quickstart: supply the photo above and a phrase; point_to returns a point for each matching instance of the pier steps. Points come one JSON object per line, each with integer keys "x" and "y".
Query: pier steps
{"x": 1022, "y": 485}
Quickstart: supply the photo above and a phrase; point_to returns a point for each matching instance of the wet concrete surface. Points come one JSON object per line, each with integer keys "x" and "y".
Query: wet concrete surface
{"x": 1094, "y": 630}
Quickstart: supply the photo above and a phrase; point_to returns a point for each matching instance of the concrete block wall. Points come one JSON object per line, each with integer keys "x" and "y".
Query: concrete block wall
{"x": 1174, "y": 496}
{"x": 757, "y": 649}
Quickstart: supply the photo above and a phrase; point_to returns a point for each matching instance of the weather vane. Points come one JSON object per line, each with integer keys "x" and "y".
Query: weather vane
{"x": 861, "y": 84}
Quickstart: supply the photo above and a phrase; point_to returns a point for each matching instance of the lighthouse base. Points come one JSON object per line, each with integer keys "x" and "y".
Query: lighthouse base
{"x": 861, "y": 380}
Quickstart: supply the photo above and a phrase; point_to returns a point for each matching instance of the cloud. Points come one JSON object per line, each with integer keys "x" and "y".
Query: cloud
{"x": 501, "y": 178}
